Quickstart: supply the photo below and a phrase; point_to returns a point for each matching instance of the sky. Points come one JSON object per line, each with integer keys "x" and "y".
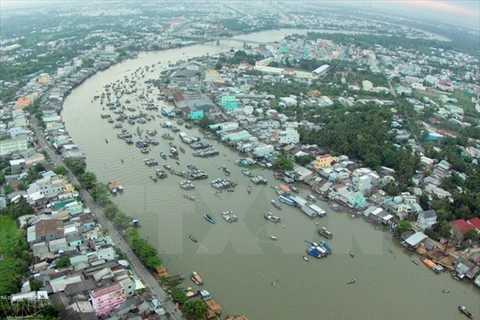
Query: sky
{"x": 460, "y": 12}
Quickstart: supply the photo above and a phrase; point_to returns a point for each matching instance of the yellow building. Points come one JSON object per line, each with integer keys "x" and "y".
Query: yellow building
{"x": 322, "y": 161}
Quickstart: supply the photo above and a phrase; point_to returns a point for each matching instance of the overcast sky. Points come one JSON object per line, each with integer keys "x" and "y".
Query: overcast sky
{"x": 460, "y": 12}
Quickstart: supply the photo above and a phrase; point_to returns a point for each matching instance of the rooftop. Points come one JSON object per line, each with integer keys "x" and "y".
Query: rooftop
{"x": 461, "y": 225}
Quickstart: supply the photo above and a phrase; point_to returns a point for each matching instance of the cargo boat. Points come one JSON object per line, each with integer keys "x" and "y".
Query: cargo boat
{"x": 465, "y": 312}
{"x": 288, "y": 201}
{"x": 276, "y": 205}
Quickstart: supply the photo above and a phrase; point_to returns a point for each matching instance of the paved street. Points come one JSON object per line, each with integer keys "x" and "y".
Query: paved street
{"x": 141, "y": 271}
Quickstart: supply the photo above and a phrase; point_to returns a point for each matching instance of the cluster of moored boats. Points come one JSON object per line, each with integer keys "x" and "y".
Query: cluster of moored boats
{"x": 319, "y": 250}
{"x": 222, "y": 184}
{"x": 258, "y": 180}
{"x": 229, "y": 216}
{"x": 151, "y": 162}
{"x": 204, "y": 153}
{"x": 187, "y": 185}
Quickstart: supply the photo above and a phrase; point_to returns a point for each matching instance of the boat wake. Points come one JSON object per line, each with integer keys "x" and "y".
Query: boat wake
{"x": 201, "y": 246}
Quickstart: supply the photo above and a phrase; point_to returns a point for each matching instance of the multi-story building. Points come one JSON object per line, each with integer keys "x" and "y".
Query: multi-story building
{"x": 104, "y": 300}
{"x": 288, "y": 136}
{"x": 322, "y": 161}
{"x": 18, "y": 143}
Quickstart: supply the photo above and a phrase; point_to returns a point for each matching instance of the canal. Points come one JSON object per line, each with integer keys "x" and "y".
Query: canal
{"x": 245, "y": 271}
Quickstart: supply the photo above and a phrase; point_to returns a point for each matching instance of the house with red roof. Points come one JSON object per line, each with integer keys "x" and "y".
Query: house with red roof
{"x": 475, "y": 222}
{"x": 461, "y": 226}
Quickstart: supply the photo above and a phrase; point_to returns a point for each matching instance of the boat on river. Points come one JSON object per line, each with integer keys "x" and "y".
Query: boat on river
{"x": 271, "y": 217}
{"x": 189, "y": 197}
{"x": 274, "y": 238}
{"x": 305, "y": 258}
{"x": 288, "y": 201}
{"x": 325, "y": 233}
{"x": 209, "y": 218}
{"x": 112, "y": 188}
{"x": 117, "y": 185}
{"x": 196, "y": 279}
{"x": 276, "y": 205}
{"x": 351, "y": 254}
{"x": 415, "y": 261}
{"x": 154, "y": 178}
{"x": 193, "y": 238}
{"x": 465, "y": 312}
{"x": 247, "y": 173}
{"x": 163, "y": 155}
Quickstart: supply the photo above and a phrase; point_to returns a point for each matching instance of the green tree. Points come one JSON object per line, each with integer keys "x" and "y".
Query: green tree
{"x": 22, "y": 185}
{"x": 35, "y": 284}
{"x": 121, "y": 220}
{"x": 443, "y": 229}
{"x": 403, "y": 226}
{"x": 88, "y": 179}
{"x": 284, "y": 163}
{"x": 304, "y": 160}
{"x": 471, "y": 234}
{"x": 178, "y": 295}
{"x": 110, "y": 211}
{"x": 8, "y": 188}
{"x": 61, "y": 170}
{"x": 63, "y": 262}
{"x": 195, "y": 309}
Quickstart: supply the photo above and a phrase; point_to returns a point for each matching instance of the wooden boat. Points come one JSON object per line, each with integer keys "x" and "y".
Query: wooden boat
{"x": 415, "y": 261}
{"x": 351, "y": 254}
{"x": 193, "y": 238}
{"x": 196, "y": 279}
{"x": 325, "y": 233}
{"x": 305, "y": 258}
{"x": 465, "y": 312}
{"x": 154, "y": 178}
{"x": 208, "y": 218}
{"x": 274, "y": 238}
{"x": 446, "y": 291}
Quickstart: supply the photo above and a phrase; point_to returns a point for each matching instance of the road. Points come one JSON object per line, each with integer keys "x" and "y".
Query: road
{"x": 141, "y": 271}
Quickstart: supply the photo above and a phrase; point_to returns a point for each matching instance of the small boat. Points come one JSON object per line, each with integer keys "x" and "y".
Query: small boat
{"x": 193, "y": 238}
{"x": 446, "y": 291}
{"x": 189, "y": 197}
{"x": 106, "y": 141}
{"x": 249, "y": 189}
{"x": 177, "y": 162}
{"x": 208, "y": 218}
{"x": 305, "y": 258}
{"x": 182, "y": 150}
{"x": 154, "y": 178}
{"x": 276, "y": 205}
{"x": 196, "y": 279}
{"x": 415, "y": 261}
{"x": 465, "y": 312}
{"x": 163, "y": 155}
{"x": 121, "y": 160}
{"x": 351, "y": 281}
{"x": 274, "y": 238}
{"x": 351, "y": 254}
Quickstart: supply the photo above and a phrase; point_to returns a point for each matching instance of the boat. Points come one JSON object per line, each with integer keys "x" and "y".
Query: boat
{"x": 208, "y": 218}
{"x": 117, "y": 185}
{"x": 196, "y": 279}
{"x": 276, "y": 205}
{"x": 274, "y": 238}
{"x": 154, "y": 178}
{"x": 325, "y": 233}
{"x": 446, "y": 291}
{"x": 193, "y": 238}
{"x": 249, "y": 189}
{"x": 163, "y": 155}
{"x": 294, "y": 189}
{"x": 351, "y": 281}
{"x": 415, "y": 261}
{"x": 270, "y": 217}
{"x": 326, "y": 246}
{"x": 351, "y": 254}
{"x": 465, "y": 312}
{"x": 288, "y": 201}
{"x": 189, "y": 197}
{"x": 106, "y": 140}
{"x": 182, "y": 150}
{"x": 112, "y": 188}
{"x": 247, "y": 173}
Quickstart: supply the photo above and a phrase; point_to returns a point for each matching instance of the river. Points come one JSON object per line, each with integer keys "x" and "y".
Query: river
{"x": 238, "y": 262}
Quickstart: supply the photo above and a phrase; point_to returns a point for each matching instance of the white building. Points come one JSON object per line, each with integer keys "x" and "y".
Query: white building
{"x": 367, "y": 85}
{"x": 426, "y": 219}
{"x": 288, "y": 136}
{"x": 47, "y": 187}
{"x": 320, "y": 71}
{"x": 18, "y": 143}
{"x": 269, "y": 124}
{"x": 262, "y": 150}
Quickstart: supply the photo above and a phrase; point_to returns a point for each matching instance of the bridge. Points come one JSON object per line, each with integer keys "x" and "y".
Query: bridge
{"x": 211, "y": 39}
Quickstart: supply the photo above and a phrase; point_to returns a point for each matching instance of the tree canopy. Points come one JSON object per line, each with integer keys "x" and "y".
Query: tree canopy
{"x": 195, "y": 309}
{"x": 144, "y": 251}
{"x": 284, "y": 163}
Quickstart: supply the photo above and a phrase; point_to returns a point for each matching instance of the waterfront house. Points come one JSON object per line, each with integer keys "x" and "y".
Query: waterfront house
{"x": 413, "y": 241}
{"x": 426, "y": 219}
{"x": 104, "y": 300}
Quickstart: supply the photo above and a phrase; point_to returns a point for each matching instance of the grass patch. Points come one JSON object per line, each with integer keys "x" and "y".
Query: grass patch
{"x": 14, "y": 256}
